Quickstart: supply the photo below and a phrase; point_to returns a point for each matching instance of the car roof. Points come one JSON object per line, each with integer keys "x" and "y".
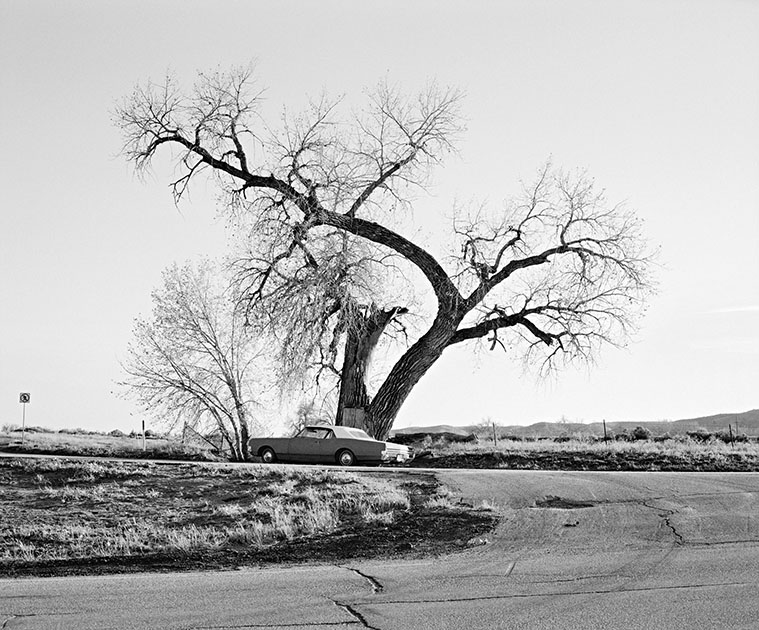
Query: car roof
{"x": 341, "y": 432}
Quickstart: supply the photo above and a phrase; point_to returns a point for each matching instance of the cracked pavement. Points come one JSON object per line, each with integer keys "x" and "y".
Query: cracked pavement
{"x": 572, "y": 550}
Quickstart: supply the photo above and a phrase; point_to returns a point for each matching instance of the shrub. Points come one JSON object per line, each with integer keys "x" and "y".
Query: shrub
{"x": 700, "y": 435}
{"x": 640, "y": 433}
{"x": 727, "y": 437}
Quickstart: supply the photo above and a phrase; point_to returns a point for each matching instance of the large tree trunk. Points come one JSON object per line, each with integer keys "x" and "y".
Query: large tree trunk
{"x": 361, "y": 340}
{"x": 406, "y": 374}
{"x": 353, "y": 392}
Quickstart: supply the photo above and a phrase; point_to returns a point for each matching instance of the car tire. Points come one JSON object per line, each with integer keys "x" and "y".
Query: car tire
{"x": 346, "y": 458}
{"x": 267, "y": 455}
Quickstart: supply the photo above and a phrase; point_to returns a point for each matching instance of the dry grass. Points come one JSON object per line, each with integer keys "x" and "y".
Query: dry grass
{"x": 56, "y": 509}
{"x": 679, "y": 453}
{"x": 681, "y": 446}
{"x": 99, "y": 445}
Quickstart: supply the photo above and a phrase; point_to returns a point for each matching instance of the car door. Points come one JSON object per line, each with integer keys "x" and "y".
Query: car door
{"x": 312, "y": 445}
{"x": 325, "y": 447}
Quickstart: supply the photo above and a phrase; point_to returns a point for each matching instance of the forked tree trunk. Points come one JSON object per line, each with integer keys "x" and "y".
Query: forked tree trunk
{"x": 361, "y": 340}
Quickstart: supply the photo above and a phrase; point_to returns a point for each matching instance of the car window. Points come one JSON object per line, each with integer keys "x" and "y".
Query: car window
{"x": 314, "y": 433}
{"x": 358, "y": 434}
{"x": 307, "y": 433}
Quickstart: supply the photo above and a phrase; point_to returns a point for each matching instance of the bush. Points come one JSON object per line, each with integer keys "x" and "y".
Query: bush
{"x": 727, "y": 437}
{"x": 117, "y": 433}
{"x": 640, "y": 433}
{"x": 700, "y": 435}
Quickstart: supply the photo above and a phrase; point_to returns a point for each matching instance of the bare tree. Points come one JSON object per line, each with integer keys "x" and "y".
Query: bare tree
{"x": 554, "y": 275}
{"x": 194, "y": 361}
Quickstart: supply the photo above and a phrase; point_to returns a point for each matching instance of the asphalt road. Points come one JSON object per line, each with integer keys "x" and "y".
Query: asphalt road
{"x": 573, "y": 550}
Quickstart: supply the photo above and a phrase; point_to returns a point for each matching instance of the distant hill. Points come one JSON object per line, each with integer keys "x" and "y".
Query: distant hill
{"x": 439, "y": 428}
{"x": 746, "y": 422}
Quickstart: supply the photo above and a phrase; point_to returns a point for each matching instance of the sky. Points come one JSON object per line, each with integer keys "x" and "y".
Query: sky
{"x": 657, "y": 100}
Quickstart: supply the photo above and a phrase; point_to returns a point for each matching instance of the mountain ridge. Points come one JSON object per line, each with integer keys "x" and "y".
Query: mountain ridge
{"x": 746, "y": 422}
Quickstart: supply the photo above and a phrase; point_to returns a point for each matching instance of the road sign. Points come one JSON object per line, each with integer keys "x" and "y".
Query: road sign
{"x": 24, "y": 397}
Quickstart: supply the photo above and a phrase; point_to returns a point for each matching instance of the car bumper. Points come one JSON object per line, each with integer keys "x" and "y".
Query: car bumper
{"x": 398, "y": 457}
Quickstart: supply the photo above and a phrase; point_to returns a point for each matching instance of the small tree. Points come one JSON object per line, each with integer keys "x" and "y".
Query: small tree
{"x": 193, "y": 361}
{"x": 308, "y": 412}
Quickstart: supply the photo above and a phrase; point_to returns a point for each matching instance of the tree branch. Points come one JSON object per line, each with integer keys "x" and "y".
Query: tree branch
{"x": 446, "y": 292}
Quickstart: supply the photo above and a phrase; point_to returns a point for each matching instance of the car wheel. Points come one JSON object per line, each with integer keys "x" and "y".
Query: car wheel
{"x": 268, "y": 456}
{"x": 345, "y": 458}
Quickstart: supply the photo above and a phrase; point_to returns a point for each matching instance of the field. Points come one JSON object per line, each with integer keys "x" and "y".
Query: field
{"x": 60, "y": 516}
{"x": 681, "y": 453}
{"x": 45, "y": 441}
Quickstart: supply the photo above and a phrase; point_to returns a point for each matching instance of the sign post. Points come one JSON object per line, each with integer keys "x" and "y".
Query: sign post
{"x": 23, "y": 398}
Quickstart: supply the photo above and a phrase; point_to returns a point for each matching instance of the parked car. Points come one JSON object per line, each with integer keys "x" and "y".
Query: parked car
{"x": 327, "y": 444}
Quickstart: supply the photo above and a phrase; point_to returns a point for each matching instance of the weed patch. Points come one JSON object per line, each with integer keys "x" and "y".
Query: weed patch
{"x": 60, "y": 517}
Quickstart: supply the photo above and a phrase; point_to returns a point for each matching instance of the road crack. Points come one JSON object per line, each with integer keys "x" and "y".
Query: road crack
{"x": 377, "y": 587}
{"x": 666, "y": 516}
{"x": 679, "y": 540}
{"x": 355, "y": 614}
